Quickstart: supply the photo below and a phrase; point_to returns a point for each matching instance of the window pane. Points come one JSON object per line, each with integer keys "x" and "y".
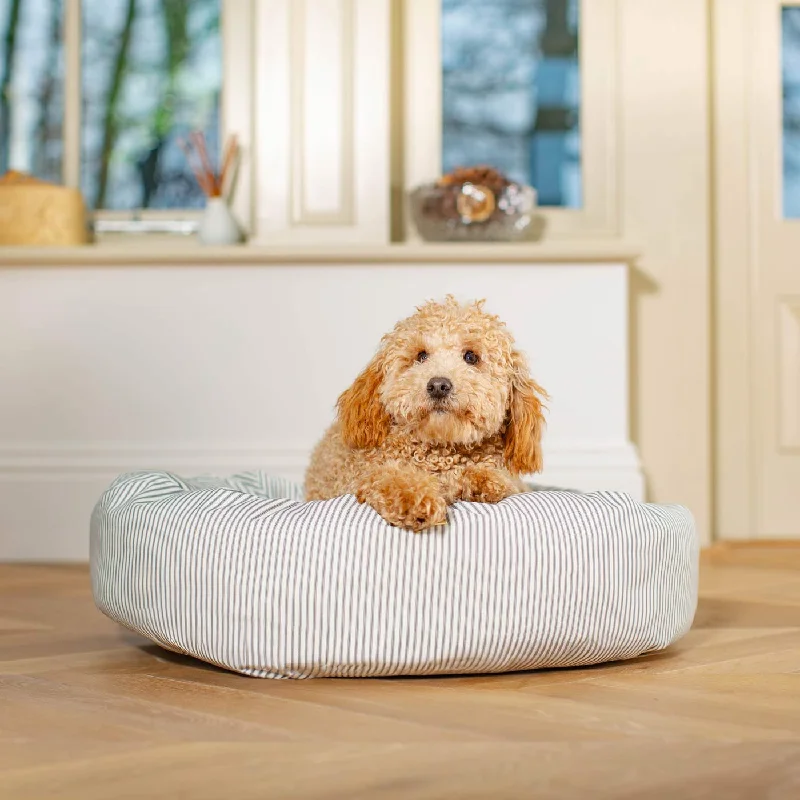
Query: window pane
{"x": 152, "y": 72}
{"x": 31, "y": 87}
{"x": 511, "y": 92}
{"x": 791, "y": 111}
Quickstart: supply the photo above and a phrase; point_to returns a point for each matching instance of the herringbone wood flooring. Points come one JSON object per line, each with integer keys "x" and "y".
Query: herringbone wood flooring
{"x": 89, "y": 711}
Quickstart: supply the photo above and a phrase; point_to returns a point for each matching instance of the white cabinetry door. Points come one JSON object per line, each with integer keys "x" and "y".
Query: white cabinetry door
{"x": 322, "y": 121}
{"x": 757, "y": 144}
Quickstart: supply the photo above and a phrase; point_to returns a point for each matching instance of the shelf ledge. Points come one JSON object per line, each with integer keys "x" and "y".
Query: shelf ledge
{"x": 189, "y": 253}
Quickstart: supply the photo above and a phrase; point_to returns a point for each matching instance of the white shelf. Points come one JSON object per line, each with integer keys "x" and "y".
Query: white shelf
{"x": 158, "y": 252}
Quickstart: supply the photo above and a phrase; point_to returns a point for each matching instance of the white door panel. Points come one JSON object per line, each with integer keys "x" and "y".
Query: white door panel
{"x": 756, "y": 69}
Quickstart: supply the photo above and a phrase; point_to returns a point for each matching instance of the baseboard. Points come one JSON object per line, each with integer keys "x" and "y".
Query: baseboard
{"x": 47, "y": 492}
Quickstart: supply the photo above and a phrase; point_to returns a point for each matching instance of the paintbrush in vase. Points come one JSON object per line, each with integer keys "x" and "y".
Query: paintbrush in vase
{"x": 217, "y": 225}
{"x": 213, "y": 182}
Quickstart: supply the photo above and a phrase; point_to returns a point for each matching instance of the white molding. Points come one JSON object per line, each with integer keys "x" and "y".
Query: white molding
{"x": 322, "y": 107}
{"x": 68, "y": 459}
{"x": 71, "y": 457}
{"x": 47, "y": 492}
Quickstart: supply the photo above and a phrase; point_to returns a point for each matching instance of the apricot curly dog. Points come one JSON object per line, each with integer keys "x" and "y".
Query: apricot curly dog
{"x": 445, "y": 411}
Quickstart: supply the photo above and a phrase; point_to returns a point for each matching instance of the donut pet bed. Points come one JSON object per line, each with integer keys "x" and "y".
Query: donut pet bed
{"x": 243, "y": 574}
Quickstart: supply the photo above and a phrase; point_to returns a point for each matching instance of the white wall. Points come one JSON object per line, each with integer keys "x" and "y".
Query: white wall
{"x": 220, "y": 368}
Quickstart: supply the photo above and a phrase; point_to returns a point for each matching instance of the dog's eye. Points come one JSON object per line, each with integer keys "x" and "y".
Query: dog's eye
{"x": 422, "y": 356}
{"x": 470, "y": 357}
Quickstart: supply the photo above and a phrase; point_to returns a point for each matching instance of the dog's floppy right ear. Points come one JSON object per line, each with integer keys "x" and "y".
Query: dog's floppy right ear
{"x": 364, "y": 420}
{"x": 523, "y": 437}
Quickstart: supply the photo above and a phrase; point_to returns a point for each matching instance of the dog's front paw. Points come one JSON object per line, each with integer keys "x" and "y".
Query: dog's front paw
{"x": 405, "y": 499}
{"x": 484, "y": 484}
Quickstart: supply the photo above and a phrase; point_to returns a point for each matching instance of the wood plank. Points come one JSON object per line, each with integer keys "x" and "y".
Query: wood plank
{"x": 89, "y": 710}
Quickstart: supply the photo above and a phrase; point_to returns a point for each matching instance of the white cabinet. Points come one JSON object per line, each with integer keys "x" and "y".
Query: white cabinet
{"x": 222, "y": 367}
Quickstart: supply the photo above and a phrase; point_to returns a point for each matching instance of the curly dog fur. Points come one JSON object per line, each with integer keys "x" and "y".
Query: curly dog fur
{"x": 408, "y": 452}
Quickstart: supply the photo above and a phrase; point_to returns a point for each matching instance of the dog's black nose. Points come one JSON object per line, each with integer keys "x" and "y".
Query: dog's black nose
{"x": 439, "y": 388}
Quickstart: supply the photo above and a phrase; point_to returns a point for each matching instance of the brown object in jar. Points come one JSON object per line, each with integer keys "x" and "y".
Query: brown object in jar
{"x": 467, "y": 194}
{"x": 448, "y": 205}
{"x": 482, "y": 175}
{"x": 476, "y": 202}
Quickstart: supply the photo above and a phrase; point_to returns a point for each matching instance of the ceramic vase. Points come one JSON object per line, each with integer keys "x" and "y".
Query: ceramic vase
{"x": 218, "y": 226}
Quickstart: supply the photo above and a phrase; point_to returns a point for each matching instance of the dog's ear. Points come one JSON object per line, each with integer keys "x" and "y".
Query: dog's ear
{"x": 525, "y": 424}
{"x": 364, "y": 420}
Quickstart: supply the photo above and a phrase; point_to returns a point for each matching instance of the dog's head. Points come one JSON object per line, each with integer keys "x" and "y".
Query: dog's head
{"x": 449, "y": 374}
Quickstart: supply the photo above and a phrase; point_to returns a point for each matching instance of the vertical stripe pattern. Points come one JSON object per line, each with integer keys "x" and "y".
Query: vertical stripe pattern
{"x": 245, "y": 575}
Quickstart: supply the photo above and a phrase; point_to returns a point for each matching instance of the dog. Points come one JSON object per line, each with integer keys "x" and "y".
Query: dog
{"x": 445, "y": 411}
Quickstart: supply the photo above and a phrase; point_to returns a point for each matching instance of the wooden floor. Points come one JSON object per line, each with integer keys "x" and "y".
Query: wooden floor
{"x": 90, "y": 712}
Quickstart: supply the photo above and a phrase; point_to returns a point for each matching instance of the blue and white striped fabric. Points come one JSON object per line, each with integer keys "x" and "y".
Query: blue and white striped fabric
{"x": 243, "y": 574}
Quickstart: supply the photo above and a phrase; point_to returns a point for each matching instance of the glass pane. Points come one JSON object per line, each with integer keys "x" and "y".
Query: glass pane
{"x": 511, "y": 92}
{"x": 31, "y": 87}
{"x": 791, "y": 111}
{"x": 152, "y": 72}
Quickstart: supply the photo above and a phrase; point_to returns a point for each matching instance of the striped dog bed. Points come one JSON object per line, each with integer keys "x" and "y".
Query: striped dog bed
{"x": 245, "y": 575}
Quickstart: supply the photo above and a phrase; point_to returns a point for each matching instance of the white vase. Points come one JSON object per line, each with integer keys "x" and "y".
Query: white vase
{"x": 218, "y": 225}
